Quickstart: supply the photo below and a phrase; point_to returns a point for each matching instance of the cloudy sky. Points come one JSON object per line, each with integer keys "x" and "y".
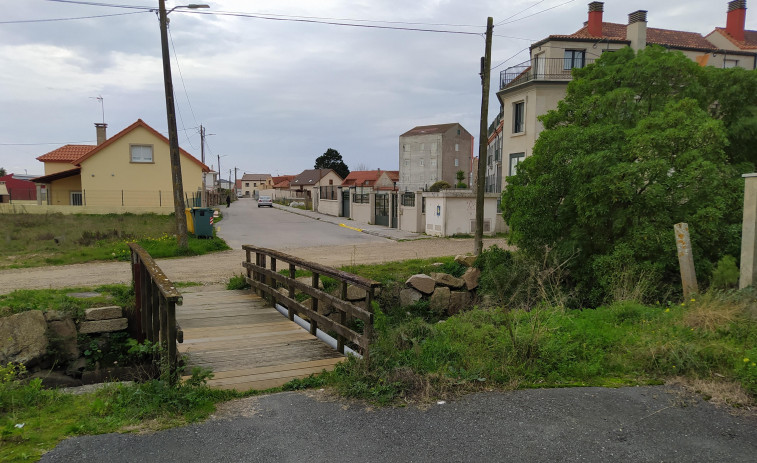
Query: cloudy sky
{"x": 276, "y": 94}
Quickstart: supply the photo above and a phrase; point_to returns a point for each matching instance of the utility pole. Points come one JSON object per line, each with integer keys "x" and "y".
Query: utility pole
{"x": 235, "y": 178}
{"x": 173, "y": 138}
{"x": 203, "y": 200}
{"x": 486, "y": 64}
{"x": 219, "y": 172}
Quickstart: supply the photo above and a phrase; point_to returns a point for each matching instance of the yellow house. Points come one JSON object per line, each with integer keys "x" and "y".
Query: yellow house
{"x": 132, "y": 169}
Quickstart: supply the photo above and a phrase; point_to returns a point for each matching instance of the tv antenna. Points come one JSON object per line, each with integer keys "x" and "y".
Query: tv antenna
{"x": 102, "y": 104}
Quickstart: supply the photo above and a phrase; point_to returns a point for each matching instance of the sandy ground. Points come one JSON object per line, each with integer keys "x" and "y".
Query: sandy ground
{"x": 219, "y": 267}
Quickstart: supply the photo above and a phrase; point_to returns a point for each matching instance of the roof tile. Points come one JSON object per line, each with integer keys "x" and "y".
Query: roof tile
{"x": 66, "y": 153}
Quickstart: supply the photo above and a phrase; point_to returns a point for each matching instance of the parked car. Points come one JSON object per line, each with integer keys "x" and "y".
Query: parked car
{"x": 265, "y": 201}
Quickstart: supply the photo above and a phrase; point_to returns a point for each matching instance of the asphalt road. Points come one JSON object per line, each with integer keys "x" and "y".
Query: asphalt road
{"x": 640, "y": 424}
{"x": 245, "y": 223}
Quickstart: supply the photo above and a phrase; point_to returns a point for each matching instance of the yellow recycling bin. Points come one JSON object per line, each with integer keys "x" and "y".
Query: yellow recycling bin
{"x": 190, "y": 221}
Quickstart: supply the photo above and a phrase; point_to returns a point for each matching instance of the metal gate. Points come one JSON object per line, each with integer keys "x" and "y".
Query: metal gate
{"x": 345, "y": 203}
{"x": 382, "y": 209}
{"x": 394, "y": 210}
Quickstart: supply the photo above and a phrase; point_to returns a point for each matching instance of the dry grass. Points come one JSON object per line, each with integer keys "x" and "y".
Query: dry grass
{"x": 718, "y": 392}
{"x": 715, "y": 309}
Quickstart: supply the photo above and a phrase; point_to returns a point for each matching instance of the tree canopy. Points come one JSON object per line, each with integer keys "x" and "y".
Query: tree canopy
{"x": 640, "y": 142}
{"x": 331, "y": 159}
{"x": 2, "y": 172}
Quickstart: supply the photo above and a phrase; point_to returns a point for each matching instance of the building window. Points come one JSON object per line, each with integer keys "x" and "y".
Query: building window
{"x": 247, "y": 184}
{"x": 141, "y": 153}
{"x": 515, "y": 158}
{"x": 519, "y": 124}
{"x": 421, "y": 162}
{"x": 77, "y": 198}
{"x": 433, "y": 147}
{"x": 407, "y": 162}
{"x": 457, "y": 162}
{"x": 573, "y": 59}
{"x": 730, "y": 63}
{"x": 433, "y": 163}
{"x": 457, "y": 147}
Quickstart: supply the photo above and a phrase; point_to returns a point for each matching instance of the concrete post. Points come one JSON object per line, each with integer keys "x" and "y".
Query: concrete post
{"x": 748, "y": 237}
{"x": 686, "y": 260}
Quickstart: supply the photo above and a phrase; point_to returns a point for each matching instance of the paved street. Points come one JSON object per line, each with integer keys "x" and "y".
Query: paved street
{"x": 245, "y": 223}
{"x": 639, "y": 424}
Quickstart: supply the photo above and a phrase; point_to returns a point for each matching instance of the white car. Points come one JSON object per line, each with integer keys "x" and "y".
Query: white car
{"x": 265, "y": 201}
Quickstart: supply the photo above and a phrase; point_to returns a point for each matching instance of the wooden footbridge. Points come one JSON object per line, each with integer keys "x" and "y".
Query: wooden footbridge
{"x": 240, "y": 335}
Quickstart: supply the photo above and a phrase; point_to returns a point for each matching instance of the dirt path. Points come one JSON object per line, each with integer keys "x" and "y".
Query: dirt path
{"x": 219, "y": 267}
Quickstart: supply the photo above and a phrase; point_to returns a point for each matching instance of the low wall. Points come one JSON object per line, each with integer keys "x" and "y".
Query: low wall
{"x": 453, "y": 212}
{"x": 361, "y": 212}
{"x": 69, "y": 210}
{"x": 328, "y": 207}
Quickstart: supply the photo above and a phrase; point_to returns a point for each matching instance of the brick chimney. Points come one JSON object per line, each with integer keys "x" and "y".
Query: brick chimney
{"x": 736, "y": 19}
{"x": 636, "y": 30}
{"x": 100, "y": 128}
{"x": 595, "y": 18}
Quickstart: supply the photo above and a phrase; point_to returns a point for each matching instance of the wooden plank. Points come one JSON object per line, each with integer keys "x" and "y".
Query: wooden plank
{"x": 247, "y": 343}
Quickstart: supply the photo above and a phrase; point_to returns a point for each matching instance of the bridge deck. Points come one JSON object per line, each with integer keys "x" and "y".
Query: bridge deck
{"x": 247, "y": 343}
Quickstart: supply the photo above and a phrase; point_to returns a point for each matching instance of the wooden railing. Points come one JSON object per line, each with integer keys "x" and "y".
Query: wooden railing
{"x": 266, "y": 280}
{"x": 155, "y": 314}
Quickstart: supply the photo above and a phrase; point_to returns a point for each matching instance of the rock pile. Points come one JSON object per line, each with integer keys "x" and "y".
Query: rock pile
{"x": 445, "y": 293}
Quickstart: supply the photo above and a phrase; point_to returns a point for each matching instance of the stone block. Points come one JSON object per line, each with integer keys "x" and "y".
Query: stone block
{"x": 103, "y": 313}
{"x": 471, "y": 278}
{"x": 422, "y": 283}
{"x": 103, "y": 326}
{"x": 62, "y": 336}
{"x": 439, "y": 300}
{"x": 465, "y": 260}
{"x": 409, "y": 296}
{"x": 355, "y": 294}
{"x": 458, "y": 302}
{"x": 23, "y": 338}
{"x": 55, "y": 315}
{"x": 445, "y": 279}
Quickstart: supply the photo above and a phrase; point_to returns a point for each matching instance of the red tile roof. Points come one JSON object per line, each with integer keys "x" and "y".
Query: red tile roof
{"x": 67, "y": 153}
{"x": 665, "y": 37}
{"x": 360, "y": 177}
{"x": 139, "y": 123}
{"x": 749, "y": 42}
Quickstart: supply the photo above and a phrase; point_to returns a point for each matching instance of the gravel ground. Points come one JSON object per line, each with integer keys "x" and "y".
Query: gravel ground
{"x": 219, "y": 267}
{"x": 637, "y": 424}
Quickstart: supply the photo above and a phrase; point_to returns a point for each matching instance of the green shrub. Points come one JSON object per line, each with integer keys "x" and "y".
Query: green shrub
{"x": 726, "y": 273}
{"x": 238, "y": 282}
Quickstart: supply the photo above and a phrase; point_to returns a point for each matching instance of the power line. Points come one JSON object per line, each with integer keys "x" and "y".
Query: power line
{"x": 85, "y": 142}
{"x": 109, "y": 5}
{"x": 23, "y": 21}
{"x": 181, "y": 77}
{"x": 534, "y": 14}
{"x": 521, "y": 11}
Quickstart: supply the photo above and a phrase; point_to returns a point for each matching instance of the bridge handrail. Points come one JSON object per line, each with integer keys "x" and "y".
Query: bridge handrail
{"x": 265, "y": 279}
{"x": 156, "y": 298}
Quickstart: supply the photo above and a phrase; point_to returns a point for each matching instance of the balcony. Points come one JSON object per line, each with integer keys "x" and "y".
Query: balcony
{"x": 544, "y": 69}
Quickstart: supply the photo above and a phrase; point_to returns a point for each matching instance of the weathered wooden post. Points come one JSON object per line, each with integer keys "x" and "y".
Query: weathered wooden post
{"x": 686, "y": 260}
{"x": 748, "y": 236}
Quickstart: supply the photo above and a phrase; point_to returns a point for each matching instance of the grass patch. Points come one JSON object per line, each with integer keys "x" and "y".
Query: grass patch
{"x": 22, "y": 300}
{"x": 237, "y": 282}
{"x": 33, "y": 420}
{"x": 624, "y": 343}
{"x": 31, "y": 240}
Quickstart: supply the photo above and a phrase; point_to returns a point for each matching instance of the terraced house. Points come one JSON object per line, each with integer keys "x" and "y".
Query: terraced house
{"x": 534, "y": 87}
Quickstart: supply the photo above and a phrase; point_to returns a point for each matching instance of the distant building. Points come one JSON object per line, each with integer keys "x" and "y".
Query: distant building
{"x": 18, "y": 188}
{"x": 253, "y": 183}
{"x": 432, "y": 153}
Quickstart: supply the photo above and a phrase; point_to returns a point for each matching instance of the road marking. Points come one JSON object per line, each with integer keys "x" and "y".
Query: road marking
{"x": 351, "y": 228}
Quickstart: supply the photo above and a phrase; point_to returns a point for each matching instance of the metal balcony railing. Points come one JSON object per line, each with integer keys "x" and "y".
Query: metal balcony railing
{"x": 541, "y": 69}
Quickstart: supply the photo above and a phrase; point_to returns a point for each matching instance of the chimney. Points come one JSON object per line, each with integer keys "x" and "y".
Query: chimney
{"x": 100, "y": 128}
{"x": 595, "y": 18}
{"x": 736, "y": 19}
{"x": 636, "y": 31}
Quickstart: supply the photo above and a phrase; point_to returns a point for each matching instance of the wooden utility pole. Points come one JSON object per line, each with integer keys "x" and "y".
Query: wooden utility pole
{"x": 173, "y": 137}
{"x": 486, "y": 64}
{"x": 219, "y": 172}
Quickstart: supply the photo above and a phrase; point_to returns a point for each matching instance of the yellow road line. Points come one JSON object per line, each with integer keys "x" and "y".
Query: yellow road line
{"x": 351, "y": 228}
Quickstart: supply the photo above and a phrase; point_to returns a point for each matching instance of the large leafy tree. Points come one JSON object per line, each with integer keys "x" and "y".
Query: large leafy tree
{"x": 2, "y": 172}
{"x": 331, "y": 159}
{"x": 636, "y": 146}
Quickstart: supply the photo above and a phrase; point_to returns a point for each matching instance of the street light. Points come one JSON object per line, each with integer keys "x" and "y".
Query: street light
{"x": 173, "y": 138}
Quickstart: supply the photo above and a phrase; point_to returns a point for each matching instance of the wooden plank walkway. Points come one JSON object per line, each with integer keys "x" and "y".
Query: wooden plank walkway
{"x": 247, "y": 343}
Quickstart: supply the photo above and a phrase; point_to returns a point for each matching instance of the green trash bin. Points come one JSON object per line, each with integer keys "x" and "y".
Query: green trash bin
{"x": 203, "y": 222}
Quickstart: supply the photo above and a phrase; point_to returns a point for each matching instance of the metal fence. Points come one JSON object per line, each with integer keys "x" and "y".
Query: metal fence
{"x": 542, "y": 69}
{"x": 329, "y": 192}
